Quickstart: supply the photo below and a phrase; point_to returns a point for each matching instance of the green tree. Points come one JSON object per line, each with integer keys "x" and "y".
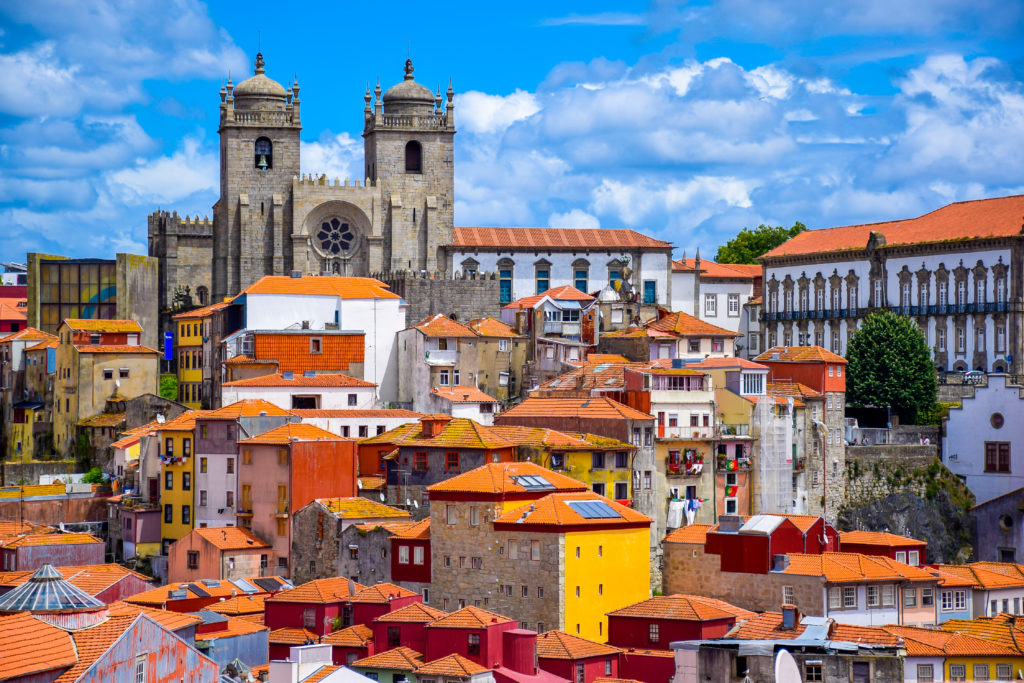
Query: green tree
{"x": 93, "y": 476}
{"x": 169, "y": 387}
{"x": 749, "y": 244}
{"x": 890, "y": 365}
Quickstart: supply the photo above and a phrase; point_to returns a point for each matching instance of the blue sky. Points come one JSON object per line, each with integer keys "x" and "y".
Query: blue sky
{"x": 685, "y": 120}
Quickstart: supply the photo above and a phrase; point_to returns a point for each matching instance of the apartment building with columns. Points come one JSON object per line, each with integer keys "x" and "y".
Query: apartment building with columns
{"x": 953, "y": 271}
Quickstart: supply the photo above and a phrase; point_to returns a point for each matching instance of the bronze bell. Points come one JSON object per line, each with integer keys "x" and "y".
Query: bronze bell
{"x": 262, "y": 163}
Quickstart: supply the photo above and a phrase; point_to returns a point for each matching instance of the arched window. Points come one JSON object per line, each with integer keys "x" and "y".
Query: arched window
{"x": 264, "y": 157}
{"x": 413, "y": 157}
{"x": 203, "y": 294}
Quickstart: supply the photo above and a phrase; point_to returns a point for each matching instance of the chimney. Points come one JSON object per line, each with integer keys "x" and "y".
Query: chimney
{"x": 729, "y": 523}
{"x": 790, "y": 618}
{"x": 519, "y": 650}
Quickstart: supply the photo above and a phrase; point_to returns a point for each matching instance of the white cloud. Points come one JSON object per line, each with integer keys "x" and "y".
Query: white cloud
{"x": 482, "y": 113}
{"x": 598, "y": 19}
{"x": 338, "y": 156}
{"x": 576, "y": 218}
{"x": 168, "y": 179}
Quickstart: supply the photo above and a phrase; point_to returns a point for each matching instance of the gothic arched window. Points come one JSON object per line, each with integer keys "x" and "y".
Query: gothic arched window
{"x": 413, "y": 157}
{"x": 335, "y": 237}
{"x": 203, "y": 294}
{"x": 264, "y": 157}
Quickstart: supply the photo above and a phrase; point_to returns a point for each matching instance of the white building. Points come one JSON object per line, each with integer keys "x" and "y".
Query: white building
{"x": 463, "y": 401}
{"x": 357, "y": 423}
{"x": 984, "y": 442}
{"x": 309, "y": 390}
{"x": 715, "y": 292}
{"x": 333, "y": 303}
{"x": 952, "y": 271}
{"x": 529, "y": 261}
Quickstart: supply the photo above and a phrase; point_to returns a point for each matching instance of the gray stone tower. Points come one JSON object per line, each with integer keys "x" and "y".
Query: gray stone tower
{"x": 259, "y": 157}
{"x": 408, "y": 153}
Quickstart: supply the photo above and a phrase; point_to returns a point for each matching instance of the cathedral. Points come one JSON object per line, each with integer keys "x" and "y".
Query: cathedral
{"x": 272, "y": 220}
{"x": 397, "y": 220}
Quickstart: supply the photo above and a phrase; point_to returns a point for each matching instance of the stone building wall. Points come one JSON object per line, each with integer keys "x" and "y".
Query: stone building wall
{"x": 315, "y": 539}
{"x": 873, "y": 472}
{"x": 184, "y": 248}
{"x": 498, "y": 569}
{"x": 461, "y": 297}
{"x": 688, "y": 569}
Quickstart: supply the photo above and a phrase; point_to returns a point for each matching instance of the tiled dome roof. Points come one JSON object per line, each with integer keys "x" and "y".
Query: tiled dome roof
{"x": 47, "y": 591}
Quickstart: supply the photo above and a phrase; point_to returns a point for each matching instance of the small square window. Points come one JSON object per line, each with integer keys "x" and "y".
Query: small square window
{"x": 108, "y": 373}
{"x": 316, "y": 345}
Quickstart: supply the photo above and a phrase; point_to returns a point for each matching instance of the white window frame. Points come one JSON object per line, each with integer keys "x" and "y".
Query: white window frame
{"x": 914, "y": 558}
{"x": 711, "y": 305}
{"x": 503, "y": 344}
{"x": 734, "y": 305}
{"x": 403, "y": 554}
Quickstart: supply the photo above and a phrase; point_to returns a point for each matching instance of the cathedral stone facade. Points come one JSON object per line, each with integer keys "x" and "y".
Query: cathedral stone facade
{"x": 271, "y": 219}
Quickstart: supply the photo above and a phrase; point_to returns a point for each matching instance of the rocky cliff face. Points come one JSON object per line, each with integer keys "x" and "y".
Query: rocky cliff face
{"x": 912, "y": 495}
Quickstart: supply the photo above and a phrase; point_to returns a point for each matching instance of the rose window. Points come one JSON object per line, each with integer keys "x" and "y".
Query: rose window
{"x": 335, "y": 237}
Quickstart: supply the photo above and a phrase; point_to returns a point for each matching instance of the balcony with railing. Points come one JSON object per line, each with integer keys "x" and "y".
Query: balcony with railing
{"x": 687, "y": 464}
{"x": 727, "y": 464}
{"x": 680, "y": 432}
{"x": 733, "y": 429}
{"x": 930, "y": 309}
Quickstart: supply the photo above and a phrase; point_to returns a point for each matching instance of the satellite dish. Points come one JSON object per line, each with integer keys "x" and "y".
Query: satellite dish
{"x": 416, "y": 504}
{"x": 786, "y": 668}
{"x": 359, "y": 484}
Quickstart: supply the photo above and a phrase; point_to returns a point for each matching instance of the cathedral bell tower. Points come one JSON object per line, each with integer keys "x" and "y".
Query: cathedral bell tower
{"x": 259, "y": 156}
{"x": 409, "y": 156}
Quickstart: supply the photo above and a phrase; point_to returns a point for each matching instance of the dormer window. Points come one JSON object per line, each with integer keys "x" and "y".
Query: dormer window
{"x": 264, "y": 157}
{"x": 413, "y": 157}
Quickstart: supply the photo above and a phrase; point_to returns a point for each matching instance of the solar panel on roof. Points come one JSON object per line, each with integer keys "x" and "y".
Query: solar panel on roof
{"x": 268, "y": 584}
{"x": 197, "y": 590}
{"x": 593, "y": 509}
{"x": 602, "y": 367}
{"x": 211, "y": 583}
{"x": 533, "y": 482}
{"x": 178, "y": 594}
{"x": 244, "y": 586}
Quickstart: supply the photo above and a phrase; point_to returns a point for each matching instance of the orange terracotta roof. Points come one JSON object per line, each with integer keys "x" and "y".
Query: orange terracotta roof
{"x": 319, "y": 380}
{"x": 417, "y": 612}
{"x": 682, "y": 607}
{"x": 499, "y": 477}
{"x": 290, "y": 349}
{"x": 162, "y": 594}
{"x": 30, "y": 646}
{"x": 563, "y": 293}
{"x": 561, "y": 645}
{"x": 453, "y": 665}
{"x": 878, "y": 538}
{"x": 319, "y": 591}
{"x": 73, "y": 538}
{"x": 799, "y": 354}
{"x": 28, "y": 334}
{"x": 930, "y": 642}
{"x": 97, "y": 325}
{"x": 463, "y": 394}
{"x": 853, "y": 567}
{"x": 91, "y": 578}
{"x": 1001, "y": 630}
{"x": 685, "y": 325}
{"x": 458, "y": 432}
{"x": 360, "y": 508}
{"x": 713, "y": 270}
{"x": 239, "y": 604}
{"x": 865, "y": 635}
{"x": 353, "y": 636}
{"x": 322, "y": 285}
{"x": 186, "y": 422}
{"x": 248, "y": 407}
{"x": 398, "y": 659}
{"x": 795, "y": 389}
{"x": 293, "y": 431}
{"x": 203, "y": 312}
{"x": 440, "y": 325}
{"x": 695, "y": 533}
{"x": 230, "y": 538}
{"x": 292, "y": 636}
{"x": 43, "y": 345}
{"x": 370, "y": 412}
{"x": 12, "y": 311}
{"x": 126, "y": 441}
{"x": 582, "y": 239}
{"x": 92, "y": 643}
{"x": 418, "y": 531}
{"x": 103, "y": 420}
{"x": 802, "y": 522}
{"x": 10, "y": 528}
{"x": 381, "y": 593}
{"x": 985, "y": 575}
{"x": 593, "y": 375}
{"x": 596, "y": 407}
{"x": 999, "y": 217}
{"x": 554, "y": 510}
{"x": 764, "y": 626}
{"x": 597, "y": 358}
{"x": 115, "y": 348}
{"x": 232, "y": 628}
{"x": 470, "y": 617}
{"x": 491, "y": 327}
{"x": 321, "y": 673}
{"x": 542, "y": 437}
{"x": 372, "y": 483}
{"x": 172, "y": 621}
{"x": 249, "y": 360}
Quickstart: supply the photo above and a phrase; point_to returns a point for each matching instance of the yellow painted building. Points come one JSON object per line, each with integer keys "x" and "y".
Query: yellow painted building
{"x": 192, "y": 329}
{"x": 177, "y": 476}
{"x": 982, "y": 649}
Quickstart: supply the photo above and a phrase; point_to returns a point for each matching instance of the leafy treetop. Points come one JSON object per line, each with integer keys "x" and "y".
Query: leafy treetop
{"x": 749, "y": 244}
{"x": 890, "y": 365}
